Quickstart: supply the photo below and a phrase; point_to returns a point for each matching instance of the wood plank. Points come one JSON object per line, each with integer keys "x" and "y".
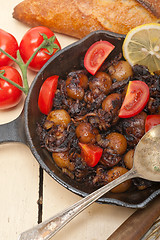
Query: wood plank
{"x": 18, "y": 190}
{"x": 95, "y": 223}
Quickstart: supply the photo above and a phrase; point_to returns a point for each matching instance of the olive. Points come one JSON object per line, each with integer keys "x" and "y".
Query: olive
{"x": 59, "y": 117}
{"x": 75, "y": 84}
{"x": 112, "y": 102}
{"x": 128, "y": 159}
{"x": 116, "y": 172}
{"x": 117, "y": 142}
{"x": 120, "y": 71}
{"x": 62, "y": 160}
{"x": 85, "y": 133}
{"x": 101, "y": 82}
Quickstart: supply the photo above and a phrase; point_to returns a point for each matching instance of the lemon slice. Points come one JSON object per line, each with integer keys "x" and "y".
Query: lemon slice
{"x": 142, "y": 46}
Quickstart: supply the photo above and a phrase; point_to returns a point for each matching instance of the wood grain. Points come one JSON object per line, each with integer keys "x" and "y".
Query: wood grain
{"x": 138, "y": 223}
{"x": 18, "y": 190}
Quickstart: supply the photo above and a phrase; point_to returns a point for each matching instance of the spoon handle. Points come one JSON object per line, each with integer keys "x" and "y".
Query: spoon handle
{"x": 50, "y": 227}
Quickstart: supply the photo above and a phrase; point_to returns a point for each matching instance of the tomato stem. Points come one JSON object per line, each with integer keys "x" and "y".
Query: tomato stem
{"x": 23, "y": 67}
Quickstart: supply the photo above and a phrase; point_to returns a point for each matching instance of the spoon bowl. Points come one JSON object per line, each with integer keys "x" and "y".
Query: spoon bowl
{"x": 146, "y": 165}
{"x": 147, "y": 155}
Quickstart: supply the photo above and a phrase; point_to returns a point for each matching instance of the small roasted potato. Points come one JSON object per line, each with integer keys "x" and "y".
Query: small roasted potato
{"x": 120, "y": 71}
{"x": 128, "y": 159}
{"x": 100, "y": 83}
{"x": 117, "y": 142}
{"x": 141, "y": 184}
{"x": 57, "y": 117}
{"x": 153, "y": 106}
{"x": 79, "y": 78}
{"x": 134, "y": 128}
{"x": 85, "y": 133}
{"x": 110, "y": 159}
{"x": 142, "y": 187}
{"x": 112, "y": 103}
{"x": 75, "y": 92}
{"x": 75, "y": 84}
{"x": 158, "y": 72}
{"x": 62, "y": 160}
{"x": 116, "y": 172}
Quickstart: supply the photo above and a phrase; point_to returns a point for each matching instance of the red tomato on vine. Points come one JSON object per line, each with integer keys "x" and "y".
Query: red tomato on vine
{"x": 9, "y": 44}
{"x": 10, "y": 95}
{"x": 29, "y": 43}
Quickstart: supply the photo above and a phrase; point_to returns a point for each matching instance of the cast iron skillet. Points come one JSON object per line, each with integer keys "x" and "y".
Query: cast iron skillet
{"x": 23, "y": 129}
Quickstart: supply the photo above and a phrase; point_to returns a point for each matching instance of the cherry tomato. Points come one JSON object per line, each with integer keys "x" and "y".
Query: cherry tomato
{"x": 136, "y": 98}
{"x": 9, "y": 44}
{"x": 10, "y": 95}
{"x": 91, "y": 153}
{"x": 96, "y": 55}
{"x": 47, "y": 93}
{"x": 29, "y": 43}
{"x": 151, "y": 121}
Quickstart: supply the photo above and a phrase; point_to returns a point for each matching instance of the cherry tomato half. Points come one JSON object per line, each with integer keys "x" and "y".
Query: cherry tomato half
{"x": 91, "y": 153}
{"x": 151, "y": 121}
{"x": 136, "y": 98}
{"x": 9, "y": 44}
{"x": 29, "y": 43}
{"x": 10, "y": 95}
{"x": 47, "y": 93}
{"x": 96, "y": 55}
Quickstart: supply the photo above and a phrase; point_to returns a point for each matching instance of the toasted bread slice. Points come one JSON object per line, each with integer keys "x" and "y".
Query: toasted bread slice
{"x": 77, "y": 18}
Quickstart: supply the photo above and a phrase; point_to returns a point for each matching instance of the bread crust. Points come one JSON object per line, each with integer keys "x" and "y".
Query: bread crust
{"x": 77, "y": 18}
{"x": 152, "y": 5}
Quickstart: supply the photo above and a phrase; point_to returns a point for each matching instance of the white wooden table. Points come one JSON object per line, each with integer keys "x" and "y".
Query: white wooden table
{"x": 19, "y": 178}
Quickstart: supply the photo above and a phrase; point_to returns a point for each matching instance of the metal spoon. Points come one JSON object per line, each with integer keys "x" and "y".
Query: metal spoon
{"x": 146, "y": 165}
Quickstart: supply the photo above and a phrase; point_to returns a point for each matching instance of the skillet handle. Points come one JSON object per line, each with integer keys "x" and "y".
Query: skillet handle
{"x": 13, "y": 131}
